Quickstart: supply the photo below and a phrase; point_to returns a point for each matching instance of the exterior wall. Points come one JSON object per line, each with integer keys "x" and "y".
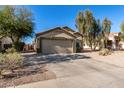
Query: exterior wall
{"x": 87, "y": 47}
{"x": 74, "y": 46}
{"x": 122, "y": 44}
{"x": 57, "y": 33}
{"x": 113, "y": 42}
{"x": 56, "y": 46}
{"x": 79, "y": 38}
{"x": 5, "y": 40}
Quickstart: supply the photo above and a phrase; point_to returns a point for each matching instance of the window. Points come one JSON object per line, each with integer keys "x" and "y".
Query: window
{"x": 6, "y": 46}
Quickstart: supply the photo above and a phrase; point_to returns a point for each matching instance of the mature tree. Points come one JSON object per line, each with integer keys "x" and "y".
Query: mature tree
{"x": 106, "y": 27}
{"x": 16, "y": 23}
{"x": 89, "y": 27}
{"x": 93, "y": 30}
{"x": 81, "y": 26}
{"x": 96, "y": 34}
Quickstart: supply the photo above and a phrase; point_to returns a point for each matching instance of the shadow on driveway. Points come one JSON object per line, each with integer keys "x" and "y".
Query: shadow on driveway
{"x": 52, "y": 58}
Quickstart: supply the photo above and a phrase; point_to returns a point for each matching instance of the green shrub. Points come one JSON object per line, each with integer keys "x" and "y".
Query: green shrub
{"x": 11, "y": 61}
{"x": 10, "y": 50}
{"x": 104, "y": 52}
{"x": 2, "y": 58}
{"x": 19, "y": 46}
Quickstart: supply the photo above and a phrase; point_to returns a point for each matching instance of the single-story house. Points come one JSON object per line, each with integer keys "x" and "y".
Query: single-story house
{"x": 57, "y": 40}
{"x": 5, "y": 43}
{"x": 65, "y": 40}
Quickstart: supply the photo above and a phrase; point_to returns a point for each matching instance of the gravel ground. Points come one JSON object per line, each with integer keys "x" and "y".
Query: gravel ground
{"x": 26, "y": 75}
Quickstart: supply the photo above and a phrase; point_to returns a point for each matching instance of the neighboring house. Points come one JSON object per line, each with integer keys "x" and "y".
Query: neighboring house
{"x": 5, "y": 43}
{"x": 121, "y": 44}
{"x": 57, "y": 40}
{"x": 28, "y": 48}
{"x": 113, "y": 40}
{"x": 112, "y": 43}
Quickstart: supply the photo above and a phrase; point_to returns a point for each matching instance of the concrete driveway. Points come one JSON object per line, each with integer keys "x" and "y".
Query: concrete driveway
{"x": 80, "y": 70}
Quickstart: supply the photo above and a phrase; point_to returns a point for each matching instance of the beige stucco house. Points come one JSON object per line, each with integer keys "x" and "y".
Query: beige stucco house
{"x": 115, "y": 42}
{"x": 57, "y": 40}
{"x": 5, "y": 42}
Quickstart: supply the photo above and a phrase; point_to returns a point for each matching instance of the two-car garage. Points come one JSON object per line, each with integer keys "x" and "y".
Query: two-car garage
{"x": 57, "y": 40}
{"x": 49, "y": 46}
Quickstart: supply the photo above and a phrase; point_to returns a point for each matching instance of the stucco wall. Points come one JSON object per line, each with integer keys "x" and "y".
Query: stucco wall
{"x": 122, "y": 44}
{"x": 113, "y": 41}
{"x": 5, "y": 40}
{"x": 56, "y": 33}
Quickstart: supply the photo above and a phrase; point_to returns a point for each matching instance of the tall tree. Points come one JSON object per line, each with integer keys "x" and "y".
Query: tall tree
{"x": 16, "y": 23}
{"x": 81, "y": 26}
{"x": 89, "y": 27}
{"x": 106, "y": 27}
{"x": 93, "y": 30}
{"x": 96, "y": 33}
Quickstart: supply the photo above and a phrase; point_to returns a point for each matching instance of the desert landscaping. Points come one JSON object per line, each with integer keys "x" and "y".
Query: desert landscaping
{"x": 87, "y": 54}
{"x": 82, "y": 70}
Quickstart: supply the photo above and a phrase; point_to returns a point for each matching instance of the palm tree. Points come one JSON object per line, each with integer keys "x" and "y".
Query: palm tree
{"x": 80, "y": 25}
{"x": 106, "y": 27}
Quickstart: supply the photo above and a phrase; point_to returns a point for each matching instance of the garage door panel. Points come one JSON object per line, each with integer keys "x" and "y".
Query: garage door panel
{"x": 56, "y": 46}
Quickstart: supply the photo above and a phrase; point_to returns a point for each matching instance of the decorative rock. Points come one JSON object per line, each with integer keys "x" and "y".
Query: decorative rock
{"x": 1, "y": 77}
{"x": 6, "y": 72}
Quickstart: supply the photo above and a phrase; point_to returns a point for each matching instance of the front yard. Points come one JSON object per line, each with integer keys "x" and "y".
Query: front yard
{"x": 70, "y": 70}
{"x": 83, "y": 70}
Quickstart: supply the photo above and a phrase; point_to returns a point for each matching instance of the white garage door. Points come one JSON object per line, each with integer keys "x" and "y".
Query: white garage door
{"x": 56, "y": 46}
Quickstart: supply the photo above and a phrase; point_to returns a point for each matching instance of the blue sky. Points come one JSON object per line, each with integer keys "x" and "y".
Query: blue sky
{"x": 47, "y": 17}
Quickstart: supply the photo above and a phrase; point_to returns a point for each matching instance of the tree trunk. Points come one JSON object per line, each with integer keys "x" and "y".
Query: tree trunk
{"x": 102, "y": 43}
{"x": 106, "y": 43}
{"x": 15, "y": 42}
{"x": 95, "y": 45}
{"x": 91, "y": 48}
{"x": 90, "y": 42}
{"x": 94, "y": 48}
